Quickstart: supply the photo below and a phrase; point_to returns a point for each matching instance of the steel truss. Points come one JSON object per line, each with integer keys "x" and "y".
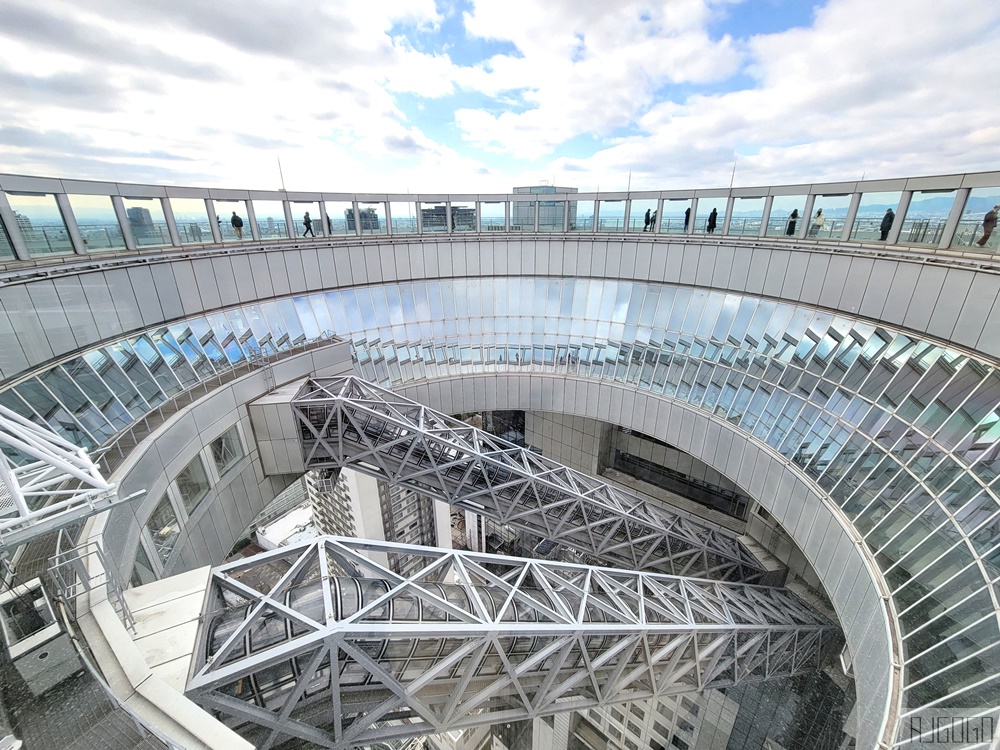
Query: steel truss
{"x": 348, "y": 422}
{"x": 341, "y": 651}
{"x": 45, "y": 481}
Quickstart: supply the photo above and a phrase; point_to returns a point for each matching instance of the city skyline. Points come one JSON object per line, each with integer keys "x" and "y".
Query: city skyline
{"x": 468, "y": 96}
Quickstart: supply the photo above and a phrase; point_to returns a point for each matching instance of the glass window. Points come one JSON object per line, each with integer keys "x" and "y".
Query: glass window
{"x": 433, "y": 217}
{"x": 231, "y": 216}
{"x": 98, "y": 223}
{"x": 41, "y": 223}
{"x": 142, "y": 569}
{"x": 785, "y": 219}
{"x": 675, "y": 216}
{"x": 146, "y": 221}
{"x": 748, "y": 213}
{"x": 70, "y": 395}
{"x": 164, "y": 528}
{"x": 227, "y": 450}
{"x": 493, "y": 216}
{"x": 271, "y": 224}
{"x": 136, "y": 372}
{"x": 581, "y": 216}
{"x": 98, "y": 393}
{"x": 711, "y": 215}
{"x": 6, "y": 247}
{"x": 156, "y": 365}
{"x": 522, "y": 216}
{"x": 828, "y": 216}
{"x": 341, "y": 218}
{"x": 372, "y": 218}
{"x": 970, "y": 226}
{"x": 193, "y": 484}
{"x": 463, "y": 216}
{"x": 404, "y": 217}
{"x": 309, "y": 223}
{"x": 926, "y": 217}
{"x": 876, "y": 214}
{"x": 611, "y": 216}
{"x": 642, "y": 215}
{"x": 191, "y": 217}
{"x": 55, "y": 414}
{"x": 116, "y": 380}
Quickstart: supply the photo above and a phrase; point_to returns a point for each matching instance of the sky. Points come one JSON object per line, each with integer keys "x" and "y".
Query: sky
{"x": 483, "y": 95}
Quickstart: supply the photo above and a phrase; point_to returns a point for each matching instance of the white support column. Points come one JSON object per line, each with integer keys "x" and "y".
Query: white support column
{"x": 252, "y": 221}
{"x": 119, "y": 205}
{"x": 897, "y": 225}
{"x": 168, "y": 216}
{"x": 806, "y": 222}
{"x": 389, "y": 228}
{"x": 357, "y": 218}
{"x": 730, "y": 205}
{"x": 659, "y": 216}
{"x": 324, "y": 221}
{"x": 694, "y": 216}
{"x": 852, "y": 213}
{"x": 72, "y": 228}
{"x": 766, "y": 216}
{"x": 214, "y": 221}
{"x": 290, "y": 231}
{"x": 420, "y": 217}
{"x": 951, "y": 226}
{"x": 447, "y": 218}
{"x": 628, "y": 214}
{"x": 13, "y": 231}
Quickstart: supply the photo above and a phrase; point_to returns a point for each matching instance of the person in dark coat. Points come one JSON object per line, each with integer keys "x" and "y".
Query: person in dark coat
{"x": 687, "y": 218}
{"x": 712, "y": 219}
{"x": 989, "y": 224}
{"x": 308, "y": 224}
{"x": 237, "y": 223}
{"x": 793, "y": 218}
{"x": 886, "y": 224}
{"x": 646, "y": 226}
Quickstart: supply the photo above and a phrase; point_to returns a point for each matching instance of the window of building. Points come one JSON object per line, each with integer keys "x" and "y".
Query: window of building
{"x": 227, "y": 450}
{"x": 631, "y": 745}
{"x": 636, "y": 711}
{"x": 634, "y": 728}
{"x": 618, "y": 715}
{"x": 678, "y": 743}
{"x": 660, "y": 729}
{"x": 685, "y": 726}
{"x": 164, "y": 528}
{"x": 926, "y": 217}
{"x": 193, "y": 484}
{"x": 6, "y": 246}
{"x": 748, "y": 213}
{"x": 97, "y": 221}
{"x": 147, "y": 222}
{"x": 690, "y": 706}
{"x": 970, "y": 230}
{"x": 785, "y": 219}
{"x": 142, "y": 571}
{"x": 41, "y": 223}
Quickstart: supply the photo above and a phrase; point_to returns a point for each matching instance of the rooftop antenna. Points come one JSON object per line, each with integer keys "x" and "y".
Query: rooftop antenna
{"x": 629, "y": 188}
{"x": 732, "y": 178}
{"x": 281, "y": 175}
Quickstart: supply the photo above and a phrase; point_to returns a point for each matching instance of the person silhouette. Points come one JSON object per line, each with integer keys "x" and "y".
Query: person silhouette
{"x": 645, "y": 228}
{"x": 886, "y": 224}
{"x": 237, "y": 223}
{"x": 308, "y": 224}
{"x": 687, "y": 218}
{"x": 989, "y": 224}
{"x": 793, "y": 218}
{"x": 713, "y": 218}
{"x": 817, "y": 223}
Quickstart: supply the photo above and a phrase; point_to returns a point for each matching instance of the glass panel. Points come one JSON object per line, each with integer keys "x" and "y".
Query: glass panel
{"x": 308, "y": 222}
{"x": 341, "y": 216}
{"x": 975, "y": 216}
{"x": 41, "y": 223}
{"x": 876, "y": 214}
{"x": 142, "y": 569}
{"x": 113, "y": 377}
{"x": 748, "y": 213}
{"x": 550, "y": 215}
{"x": 581, "y": 216}
{"x": 89, "y": 417}
{"x": 227, "y": 450}
{"x": 191, "y": 217}
{"x": 270, "y": 217}
{"x": 171, "y": 352}
{"x": 6, "y": 247}
{"x": 146, "y": 221}
{"x": 926, "y": 217}
{"x": 492, "y": 216}
{"x": 372, "y": 218}
{"x": 193, "y": 484}
{"x": 404, "y": 217}
{"x": 786, "y": 216}
{"x": 711, "y": 215}
{"x": 611, "y": 216}
{"x": 156, "y": 365}
{"x": 98, "y": 393}
{"x": 231, "y": 217}
{"x": 642, "y": 215}
{"x": 95, "y": 217}
{"x": 676, "y": 216}
{"x": 522, "y": 216}
{"x": 54, "y": 413}
{"x": 164, "y": 528}
{"x": 829, "y": 214}
{"x": 463, "y": 216}
{"x": 433, "y": 217}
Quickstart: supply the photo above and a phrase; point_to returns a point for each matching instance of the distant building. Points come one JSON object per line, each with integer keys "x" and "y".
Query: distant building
{"x": 550, "y": 213}
{"x": 141, "y": 221}
{"x": 463, "y": 218}
{"x": 369, "y": 219}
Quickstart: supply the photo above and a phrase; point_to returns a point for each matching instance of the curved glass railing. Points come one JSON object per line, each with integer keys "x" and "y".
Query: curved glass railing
{"x": 44, "y": 218}
{"x": 902, "y": 433}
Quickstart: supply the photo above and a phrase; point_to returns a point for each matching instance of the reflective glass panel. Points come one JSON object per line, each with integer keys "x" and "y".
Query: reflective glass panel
{"x": 309, "y": 222}
{"x": 270, "y": 217}
{"x": 611, "y": 216}
{"x": 551, "y": 215}
{"x": 6, "y": 247}
{"x": 191, "y": 217}
{"x": 493, "y": 216}
{"x": 642, "y": 215}
{"x": 522, "y": 216}
{"x": 676, "y": 216}
{"x": 193, "y": 484}
{"x": 404, "y": 217}
{"x": 55, "y": 414}
{"x": 970, "y": 232}
{"x": 98, "y": 224}
{"x": 41, "y": 223}
{"x": 785, "y": 219}
{"x": 70, "y": 395}
{"x": 231, "y": 216}
{"x": 372, "y": 218}
{"x": 463, "y": 216}
{"x": 341, "y": 216}
{"x": 99, "y": 393}
{"x": 433, "y": 217}
{"x": 926, "y": 217}
{"x": 748, "y": 213}
{"x": 828, "y": 216}
{"x": 711, "y": 216}
{"x": 164, "y": 528}
{"x": 581, "y": 216}
{"x": 227, "y": 450}
{"x": 146, "y": 221}
{"x": 876, "y": 215}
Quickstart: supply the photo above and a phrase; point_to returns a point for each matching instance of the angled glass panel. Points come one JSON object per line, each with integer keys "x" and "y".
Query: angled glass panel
{"x": 156, "y": 365}
{"x": 971, "y": 226}
{"x": 404, "y": 217}
{"x": 6, "y": 247}
{"x": 70, "y": 395}
{"x": 433, "y": 217}
{"x": 711, "y": 216}
{"x": 340, "y": 215}
{"x": 642, "y": 215}
{"x": 172, "y": 354}
{"x": 876, "y": 215}
{"x": 191, "y": 217}
{"x": 98, "y": 223}
{"x": 675, "y": 217}
{"x": 786, "y": 216}
{"x": 40, "y": 223}
{"x": 192, "y": 350}
{"x": 231, "y": 216}
{"x": 926, "y": 217}
{"x": 193, "y": 484}
{"x": 828, "y": 216}
{"x": 276, "y": 325}
{"x": 611, "y": 216}
{"x": 146, "y": 222}
{"x": 124, "y": 389}
{"x": 164, "y": 528}
{"x": 57, "y": 416}
{"x": 492, "y": 216}
{"x": 748, "y": 213}
{"x": 227, "y": 450}
{"x": 99, "y": 393}
{"x": 463, "y": 216}
{"x": 205, "y": 335}
{"x": 309, "y": 222}
{"x": 225, "y": 337}
{"x": 270, "y": 217}
{"x": 372, "y": 217}
{"x": 290, "y": 316}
